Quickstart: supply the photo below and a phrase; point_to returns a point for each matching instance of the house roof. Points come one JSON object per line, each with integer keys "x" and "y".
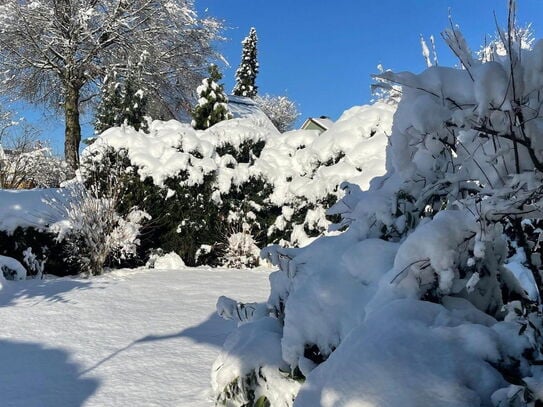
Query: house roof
{"x": 323, "y": 122}
{"x": 245, "y": 108}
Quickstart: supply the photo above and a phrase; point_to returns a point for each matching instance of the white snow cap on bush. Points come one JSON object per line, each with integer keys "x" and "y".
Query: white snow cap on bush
{"x": 11, "y": 269}
{"x": 168, "y": 261}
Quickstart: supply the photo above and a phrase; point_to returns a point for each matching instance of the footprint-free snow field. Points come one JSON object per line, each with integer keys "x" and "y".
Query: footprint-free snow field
{"x": 129, "y": 338}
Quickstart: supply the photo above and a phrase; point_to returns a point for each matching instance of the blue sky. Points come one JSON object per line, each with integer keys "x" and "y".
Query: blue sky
{"x": 321, "y": 53}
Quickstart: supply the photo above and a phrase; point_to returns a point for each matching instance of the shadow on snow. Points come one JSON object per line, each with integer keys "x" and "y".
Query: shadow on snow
{"x": 34, "y": 376}
{"x": 42, "y": 290}
{"x": 212, "y": 331}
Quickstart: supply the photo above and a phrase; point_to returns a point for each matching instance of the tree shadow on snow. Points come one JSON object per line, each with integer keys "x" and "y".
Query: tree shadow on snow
{"x": 34, "y": 376}
{"x": 42, "y": 290}
{"x": 212, "y": 331}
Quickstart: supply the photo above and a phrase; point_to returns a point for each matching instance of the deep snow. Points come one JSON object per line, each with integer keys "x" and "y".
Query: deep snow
{"x": 128, "y": 338}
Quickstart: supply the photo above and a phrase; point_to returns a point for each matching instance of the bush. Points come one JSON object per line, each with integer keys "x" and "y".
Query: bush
{"x": 38, "y": 250}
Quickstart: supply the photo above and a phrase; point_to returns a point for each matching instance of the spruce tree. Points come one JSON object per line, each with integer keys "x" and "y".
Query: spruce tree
{"x": 123, "y": 101}
{"x": 135, "y": 101}
{"x": 109, "y": 110}
{"x": 248, "y": 68}
{"x": 212, "y": 105}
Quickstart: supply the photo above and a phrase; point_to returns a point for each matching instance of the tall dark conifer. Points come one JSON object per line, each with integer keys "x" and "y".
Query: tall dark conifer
{"x": 248, "y": 68}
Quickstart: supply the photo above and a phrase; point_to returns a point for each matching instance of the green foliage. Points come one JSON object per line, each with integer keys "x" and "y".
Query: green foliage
{"x": 44, "y": 247}
{"x": 245, "y": 153}
{"x": 123, "y": 100}
{"x": 108, "y": 113}
{"x": 135, "y": 104}
{"x": 242, "y": 391}
{"x": 212, "y": 105}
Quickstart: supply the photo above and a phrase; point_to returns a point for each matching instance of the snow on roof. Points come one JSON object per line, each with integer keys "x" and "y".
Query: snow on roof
{"x": 323, "y": 122}
{"x": 245, "y": 108}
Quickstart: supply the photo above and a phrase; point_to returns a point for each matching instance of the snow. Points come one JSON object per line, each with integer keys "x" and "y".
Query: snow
{"x": 245, "y": 108}
{"x": 11, "y": 269}
{"x": 129, "y": 338}
{"x": 28, "y": 208}
{"x": 168, "y": 261}
{"x": 396, "y": 355}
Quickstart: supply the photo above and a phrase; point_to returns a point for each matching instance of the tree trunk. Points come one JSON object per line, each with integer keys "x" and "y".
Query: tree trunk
{"x": 73, "y": 128}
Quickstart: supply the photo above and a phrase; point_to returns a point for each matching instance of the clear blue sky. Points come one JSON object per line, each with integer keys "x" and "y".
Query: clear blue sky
{"x": 321, "y": 53}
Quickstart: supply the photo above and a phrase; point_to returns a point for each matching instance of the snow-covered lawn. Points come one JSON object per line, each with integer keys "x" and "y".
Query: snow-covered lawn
{"x": 128, "y": 338}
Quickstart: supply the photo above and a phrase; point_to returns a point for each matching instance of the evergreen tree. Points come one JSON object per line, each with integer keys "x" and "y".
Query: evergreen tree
{"x": 212, "y": 105}
{"x": 123, "y": 102}
{"x": 109, "y": 110}
{"x": 248, "y": 68}
{"x": 135, "y": 101}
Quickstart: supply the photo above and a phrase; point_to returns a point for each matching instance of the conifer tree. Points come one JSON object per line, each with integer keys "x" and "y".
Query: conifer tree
{"x": 123, "y": 101}
{"x": 212, "y": 105}
{"x": 248, "y": 68}
{"x": 109, "y": 110}
{"x": 135, "y": 99}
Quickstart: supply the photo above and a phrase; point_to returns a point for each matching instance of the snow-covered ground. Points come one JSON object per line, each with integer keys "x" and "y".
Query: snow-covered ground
{"x": 128, "y": 338}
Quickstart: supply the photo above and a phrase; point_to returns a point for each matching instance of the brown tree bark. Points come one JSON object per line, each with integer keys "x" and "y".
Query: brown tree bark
{"x": 73, "y": 128}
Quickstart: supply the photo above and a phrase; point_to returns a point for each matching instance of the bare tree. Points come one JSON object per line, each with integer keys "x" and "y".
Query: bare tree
{"x": 281, "y": 110}
{"x": 56, "y": 51}
{"x": 25, "y": 161}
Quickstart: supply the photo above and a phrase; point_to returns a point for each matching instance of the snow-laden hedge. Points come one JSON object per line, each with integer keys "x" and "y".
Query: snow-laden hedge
{"x": 431, "y": 297}
{"x": 25, "y": 217}
{"x": 240, "y": 182}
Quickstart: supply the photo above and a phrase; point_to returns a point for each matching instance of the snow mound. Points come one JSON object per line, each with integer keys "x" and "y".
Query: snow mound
{"x": 11, "y": 269}
{"x": 168, "y": 261}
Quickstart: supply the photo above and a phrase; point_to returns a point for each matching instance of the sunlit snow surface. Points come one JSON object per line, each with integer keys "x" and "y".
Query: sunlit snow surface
{"x": 129, "y": 338}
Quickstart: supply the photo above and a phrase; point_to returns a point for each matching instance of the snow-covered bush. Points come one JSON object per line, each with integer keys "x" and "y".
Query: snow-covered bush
{"x": 93, "y": 232}
{"x": 11, "y": 269}
{"x": 24, "y": 235}
{"x": 198, "y": 186}
{"x": 212, "y": 105}
{"x": 431, "y": 296}
{"x": 240, "y": 249}
{"x": 165, "y": 261}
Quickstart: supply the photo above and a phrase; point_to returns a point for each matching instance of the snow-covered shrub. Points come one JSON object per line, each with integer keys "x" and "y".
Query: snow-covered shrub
{"x": 212, "y": 105}
{"x": 198, "y": 186}
{"x": 240, "y": 249}
{"x": 93, "y": 232}
{"x": 431, "y": 296}
{"x": 37, "y": 249}
{"x": 165, "y": 261}
{"x": 11, "y": 269}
